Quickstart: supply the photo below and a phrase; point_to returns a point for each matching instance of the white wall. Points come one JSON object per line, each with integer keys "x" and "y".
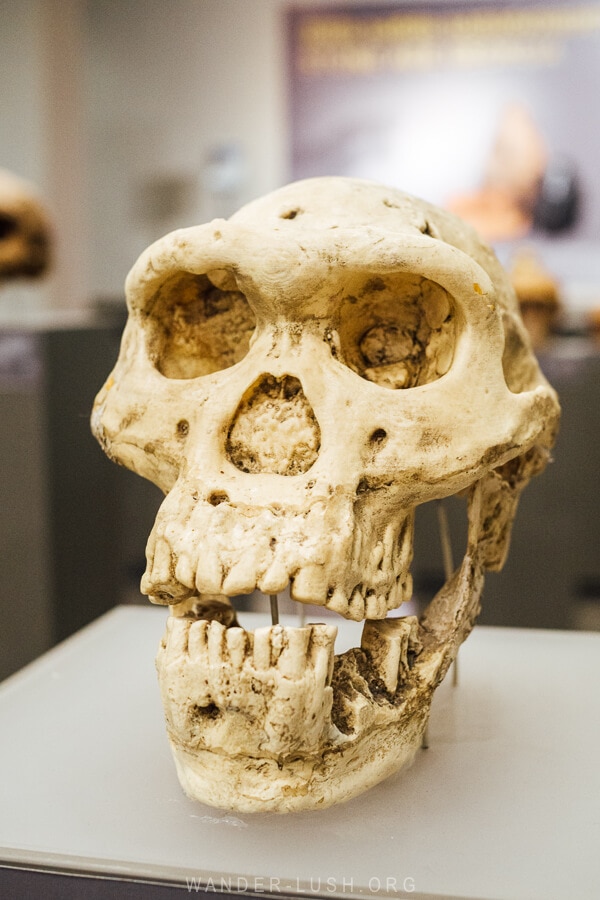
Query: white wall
{"x": 41, "y": 135}
{"x": 102, "y": 99}
{"x": 112, "y": 105}
{"x": 21, "y": 144}
{"x": 21, "y": 132}
{"x": 168, "y": 83}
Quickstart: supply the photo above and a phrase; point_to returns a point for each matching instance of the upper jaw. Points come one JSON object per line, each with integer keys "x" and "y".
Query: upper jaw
{"x": 331, "y": 553}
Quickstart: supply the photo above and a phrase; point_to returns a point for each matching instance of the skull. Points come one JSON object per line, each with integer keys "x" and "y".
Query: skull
{"x": 297, "y": 379}
{"x": 24, "y": 229}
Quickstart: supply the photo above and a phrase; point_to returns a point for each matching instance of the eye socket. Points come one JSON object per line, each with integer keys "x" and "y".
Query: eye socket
{"x": 398, "y": 331}
{"x": 199, "y": 324}
{"x": 8, "y": 226}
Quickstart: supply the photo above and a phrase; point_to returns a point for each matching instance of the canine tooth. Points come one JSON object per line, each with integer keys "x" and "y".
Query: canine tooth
{"x": 216, "y": 639}
{"x": 160, "y": 571}
{"x": 241, "y": 578}
{"x": 237, "y": 644}
{"x": 338, "y": 602}
{"x": 387, "y": 642}
{"x": 209, "y": 575}
{"x": 197, "y": 641}
{"x": 262, "y": 648}
{"x": 356, "y": 606}
{"x": 184, "y": 572}
{"x": 321, "y": 651}
{"x": 156, "y": 580}
{"x": 310, "y": 585}
{"x": 376, "y": 606}
{"x": 177, "y": 636}
{"x": 275, "y": 579}
{"x": 292, "y": 661}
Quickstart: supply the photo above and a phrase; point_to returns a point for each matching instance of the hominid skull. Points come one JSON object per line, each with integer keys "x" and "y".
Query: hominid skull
{"x": 297, "y": 380}
{"x": 24, "y": 230}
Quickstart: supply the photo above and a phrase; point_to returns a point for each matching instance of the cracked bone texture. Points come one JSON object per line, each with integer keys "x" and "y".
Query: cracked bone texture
{"x": 275, "y": 683}
{"x": 298, "y": 379}
{"x": 24, "y": 229}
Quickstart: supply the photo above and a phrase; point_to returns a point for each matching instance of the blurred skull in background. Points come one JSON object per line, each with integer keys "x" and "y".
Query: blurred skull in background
{"x": 24, "y": 230}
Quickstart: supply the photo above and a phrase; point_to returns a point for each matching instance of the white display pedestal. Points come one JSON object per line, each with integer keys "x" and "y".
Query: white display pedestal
{"x": 504, "y": 804}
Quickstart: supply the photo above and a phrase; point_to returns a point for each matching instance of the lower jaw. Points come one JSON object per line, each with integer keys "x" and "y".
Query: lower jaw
{"x": 272, "y": 721}
{"x": 250, "y": 785}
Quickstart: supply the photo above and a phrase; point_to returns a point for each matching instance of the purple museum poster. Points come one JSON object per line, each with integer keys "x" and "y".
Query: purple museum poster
{"x": 493, "y": 112}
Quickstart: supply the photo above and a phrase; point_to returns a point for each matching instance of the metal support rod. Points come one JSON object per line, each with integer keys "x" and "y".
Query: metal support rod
{"x": 448, "y": 561}
{"x": 445, "y": 541}
{"x": 274, "y": 609}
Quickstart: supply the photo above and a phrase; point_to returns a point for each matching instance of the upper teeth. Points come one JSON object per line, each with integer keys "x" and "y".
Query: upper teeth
{"x": 357, "y": 572}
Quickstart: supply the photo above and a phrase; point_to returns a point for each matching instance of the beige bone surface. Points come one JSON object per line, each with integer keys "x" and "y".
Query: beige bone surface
{"x": 298, "y": 379}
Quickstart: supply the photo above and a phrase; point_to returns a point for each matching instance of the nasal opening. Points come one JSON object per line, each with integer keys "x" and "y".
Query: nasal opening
{"x": 274, "y": 429}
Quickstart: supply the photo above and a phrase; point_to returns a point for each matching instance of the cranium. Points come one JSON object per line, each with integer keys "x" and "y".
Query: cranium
{"x": 24, "y": 229}
{"x": 297, "y": 379}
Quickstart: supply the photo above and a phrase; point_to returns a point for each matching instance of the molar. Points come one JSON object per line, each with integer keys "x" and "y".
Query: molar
{"x": 388, "y": 644}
